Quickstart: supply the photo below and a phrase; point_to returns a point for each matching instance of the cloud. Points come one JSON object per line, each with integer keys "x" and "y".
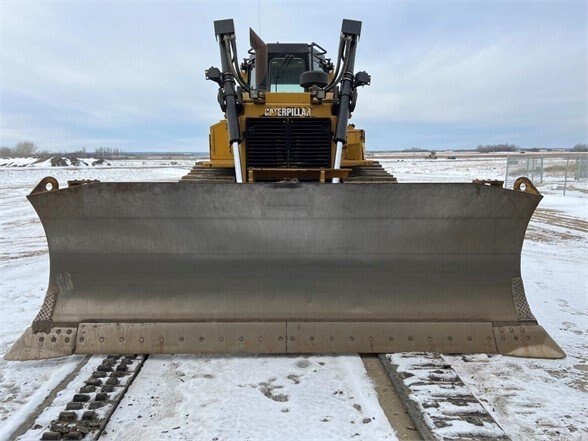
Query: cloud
{"x": 452, "y": 73}
{"x": 496, "y": 84}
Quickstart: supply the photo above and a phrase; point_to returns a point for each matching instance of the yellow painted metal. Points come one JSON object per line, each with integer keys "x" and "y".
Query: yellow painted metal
{"x": 320, "y": 174}
{"x": 288, "y": 98}
{"x": 354, "y": 150}
{"x": 219, "y": 143}
{"x": 221, "y": 155}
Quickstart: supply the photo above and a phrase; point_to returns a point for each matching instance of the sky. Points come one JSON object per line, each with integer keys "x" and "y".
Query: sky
{"x": 445, "y": 75}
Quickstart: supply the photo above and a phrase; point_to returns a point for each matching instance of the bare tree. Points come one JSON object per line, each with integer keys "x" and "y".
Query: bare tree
{"x": 107, "y": 152}
{"x": 580, "y": 148}
{"x": 25, "y": 148}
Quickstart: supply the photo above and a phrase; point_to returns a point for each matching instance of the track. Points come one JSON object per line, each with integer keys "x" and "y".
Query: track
{"x": 439, "y": 403}
{"x": 366, "y": 174}
{"x": 422, "y": 397}
{"x": 92, "y": 398}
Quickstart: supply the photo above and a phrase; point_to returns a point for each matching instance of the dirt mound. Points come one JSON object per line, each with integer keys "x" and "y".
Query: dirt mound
{"x": 58, "y": 162}
{"x": 72, "y": 161}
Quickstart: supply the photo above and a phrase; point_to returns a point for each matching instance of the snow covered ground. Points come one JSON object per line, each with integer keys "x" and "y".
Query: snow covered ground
{"x": 531, "y": 399}
{"x": 250, "y": 398}
{"x": 546, "y": 399}
{"x": 56, "y": 162}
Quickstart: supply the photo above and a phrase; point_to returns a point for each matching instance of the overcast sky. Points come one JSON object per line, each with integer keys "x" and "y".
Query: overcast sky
{"x": 444, "y": 74}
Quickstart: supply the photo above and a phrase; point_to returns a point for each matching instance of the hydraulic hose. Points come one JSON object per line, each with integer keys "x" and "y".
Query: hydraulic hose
{"x": 343, "y": 56}
{"x": 230, "y": 98}
{"x": 344, "y": 103}
{"x": 233, "y": 67}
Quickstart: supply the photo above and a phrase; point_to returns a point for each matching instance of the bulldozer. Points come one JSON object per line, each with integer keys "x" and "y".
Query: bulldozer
{"x": 289, "y": 239}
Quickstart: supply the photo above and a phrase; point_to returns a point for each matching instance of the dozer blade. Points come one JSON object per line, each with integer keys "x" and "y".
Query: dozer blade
{"x": 284, "y": 268}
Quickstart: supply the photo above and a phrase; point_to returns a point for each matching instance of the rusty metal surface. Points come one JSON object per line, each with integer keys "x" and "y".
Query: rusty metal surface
{"x": 494, "y": 182}
{"x": 525, "y": 184}
{"x": 48, "y": 183}
{"x": 271, "y": 252}
{"x": 74, "y": 182}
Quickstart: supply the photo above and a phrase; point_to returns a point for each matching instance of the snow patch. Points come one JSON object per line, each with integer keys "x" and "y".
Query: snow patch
{"x": 53, "y": 161}
{"x": 250, "y": 398}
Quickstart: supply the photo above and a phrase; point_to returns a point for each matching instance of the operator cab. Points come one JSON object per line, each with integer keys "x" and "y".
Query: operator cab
{"x": 284, "y": 64}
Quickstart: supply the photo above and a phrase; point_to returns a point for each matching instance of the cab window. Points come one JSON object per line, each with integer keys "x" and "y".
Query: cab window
{"x": 284, "y": 73}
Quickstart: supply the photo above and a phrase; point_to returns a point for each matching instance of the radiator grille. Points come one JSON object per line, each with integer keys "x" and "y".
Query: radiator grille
{"x": 288, "y": 142}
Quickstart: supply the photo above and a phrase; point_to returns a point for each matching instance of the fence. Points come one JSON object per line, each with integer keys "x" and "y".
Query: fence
{"x": 562, "y": 172}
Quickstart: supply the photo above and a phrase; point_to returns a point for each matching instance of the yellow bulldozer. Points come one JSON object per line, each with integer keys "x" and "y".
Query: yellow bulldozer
{"x": 288, "y": 240}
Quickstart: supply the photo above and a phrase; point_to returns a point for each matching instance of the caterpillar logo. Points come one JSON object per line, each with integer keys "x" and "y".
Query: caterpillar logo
{"x": 287, "y": 111}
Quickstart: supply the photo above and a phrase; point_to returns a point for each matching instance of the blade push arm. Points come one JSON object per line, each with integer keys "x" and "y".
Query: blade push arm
{"x": 229, "y": 95}
{"x": 345, "y": 100}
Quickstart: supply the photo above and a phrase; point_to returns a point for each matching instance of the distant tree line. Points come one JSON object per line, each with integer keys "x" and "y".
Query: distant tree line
{"x": 497, "y": 148}
{"x": 106, "y": 152}
{"x": 514, "y": 148}
{"x": 415, "y": 149}
{"x": 25, "y": 149}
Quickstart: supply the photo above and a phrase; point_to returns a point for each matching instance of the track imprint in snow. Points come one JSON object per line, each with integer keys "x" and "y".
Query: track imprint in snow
{"x": 250, "y": 398}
